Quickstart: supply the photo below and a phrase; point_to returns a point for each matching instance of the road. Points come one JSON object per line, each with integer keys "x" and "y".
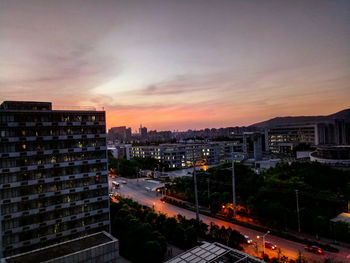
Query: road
{"x": 136, "y": 189}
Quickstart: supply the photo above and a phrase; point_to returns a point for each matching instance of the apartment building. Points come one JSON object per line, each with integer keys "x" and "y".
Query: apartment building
{"x": 53, "y": 175}
{"x": 183, "y": 155}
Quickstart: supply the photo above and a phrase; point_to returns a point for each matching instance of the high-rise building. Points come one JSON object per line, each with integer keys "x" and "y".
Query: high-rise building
{"x": 252, "y": 142}
{"x": 143, "y": 131}
{"x": 53, "y": 175}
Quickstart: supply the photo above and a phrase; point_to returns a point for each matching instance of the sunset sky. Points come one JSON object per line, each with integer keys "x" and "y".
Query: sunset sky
{"x": 178, "y": 64}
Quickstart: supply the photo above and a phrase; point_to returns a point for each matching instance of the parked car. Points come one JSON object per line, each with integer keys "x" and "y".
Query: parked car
{"x": 314, "y": 249}
{"x": 270, "y": 245}
{"x": 248, "y": 240}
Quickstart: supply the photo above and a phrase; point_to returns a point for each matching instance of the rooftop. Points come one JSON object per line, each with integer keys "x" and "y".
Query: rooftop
{"x": 213, "y": 253}
{"x": 62, "y": 249}
{"x": 42, "y": 106}
{"x": 343, "y": 217}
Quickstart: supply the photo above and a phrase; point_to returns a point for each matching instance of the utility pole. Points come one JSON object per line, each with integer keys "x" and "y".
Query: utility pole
{"x": 297, "y": 199}
{"x": 233, "y": 187}
{"x": 208, "y": 188}
{"x": 208, "y": 191}
{"x": 263, "y": 240}
{"x": 195, "y": 190}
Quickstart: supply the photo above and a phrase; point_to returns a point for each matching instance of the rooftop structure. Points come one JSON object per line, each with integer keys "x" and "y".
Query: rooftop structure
{"x": 334, "y": 155}
{"x": 213, "y": 253}
{"x": 343, "y": 217}
{"x": 98, "y": 247}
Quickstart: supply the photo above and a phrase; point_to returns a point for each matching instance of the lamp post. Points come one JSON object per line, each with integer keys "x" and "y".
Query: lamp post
{"x": 263, "y": 237}
{"x": 195, "y": 191}
{"x": 298, "y": 215}
{"x": 233, "y": 186}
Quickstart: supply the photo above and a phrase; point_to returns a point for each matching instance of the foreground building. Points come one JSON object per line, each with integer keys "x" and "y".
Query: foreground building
{"x": 53, "y": 175}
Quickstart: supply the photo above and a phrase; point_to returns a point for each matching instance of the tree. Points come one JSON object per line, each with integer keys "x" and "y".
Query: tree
{"x": 151, "y": 252}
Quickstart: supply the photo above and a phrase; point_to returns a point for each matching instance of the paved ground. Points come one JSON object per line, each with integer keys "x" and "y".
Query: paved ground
{"x": 136, "y": 189}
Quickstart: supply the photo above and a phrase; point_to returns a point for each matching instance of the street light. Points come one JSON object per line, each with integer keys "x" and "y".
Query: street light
{"x": 263, "y": 237}
{"x": 195, "y": 191}
{"x": 233, "y": 186}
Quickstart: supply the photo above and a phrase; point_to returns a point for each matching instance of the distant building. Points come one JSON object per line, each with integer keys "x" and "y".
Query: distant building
{"x": 252, "y": 142}
{"x": 120, "y": 150}
{"x": 333, "y": 133}
{"x": 183, "y": 155}
{"x": 53, "y": 182}
{"x": 119, "y": 133}
{"x": 333, "y": 155}
{"x": 283, "y": 138}
{"x": 143, "y": 131}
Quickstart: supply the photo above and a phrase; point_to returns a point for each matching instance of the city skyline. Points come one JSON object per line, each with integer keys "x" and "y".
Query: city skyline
{"x": 179, "y": 65}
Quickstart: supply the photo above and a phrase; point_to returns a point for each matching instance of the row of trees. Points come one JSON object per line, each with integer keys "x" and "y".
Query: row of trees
{"x": 143, "y": 234}
{"x": 131, "y": 168}
{"x": 271, "y": 197}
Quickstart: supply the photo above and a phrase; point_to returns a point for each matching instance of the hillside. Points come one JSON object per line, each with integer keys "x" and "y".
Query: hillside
{"x": 344, "y": 114}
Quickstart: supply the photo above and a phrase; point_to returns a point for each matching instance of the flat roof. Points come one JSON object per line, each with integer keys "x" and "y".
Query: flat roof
{"x": 43, "y": 106}
{"x": 62, "y": 249}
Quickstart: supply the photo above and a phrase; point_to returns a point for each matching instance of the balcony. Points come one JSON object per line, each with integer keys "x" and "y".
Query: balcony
{"x": 50, "y": 194}
{"x": 36, "y": 211}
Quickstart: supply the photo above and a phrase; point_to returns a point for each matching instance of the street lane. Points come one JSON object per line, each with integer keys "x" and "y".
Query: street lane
{"x": 136, "y": 189}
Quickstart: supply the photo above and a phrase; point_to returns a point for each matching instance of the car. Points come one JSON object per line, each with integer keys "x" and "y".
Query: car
{"x": 270, "y": 245}
{"x": 123, "y": 182}
{"x": 248, "y": 240}
{"x": 115, "y": 184}
{"x": 314, "y": 249}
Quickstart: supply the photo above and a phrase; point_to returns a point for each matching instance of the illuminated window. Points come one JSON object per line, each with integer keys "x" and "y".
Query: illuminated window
{"x": 24, "y": 146}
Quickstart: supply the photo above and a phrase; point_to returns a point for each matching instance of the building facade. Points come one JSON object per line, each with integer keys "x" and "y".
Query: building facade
{"x": 183, "y": 155}
{"x": 282, "y": 139}
{"x": 119, "y": 133}
{"x": 53, "y": 175}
